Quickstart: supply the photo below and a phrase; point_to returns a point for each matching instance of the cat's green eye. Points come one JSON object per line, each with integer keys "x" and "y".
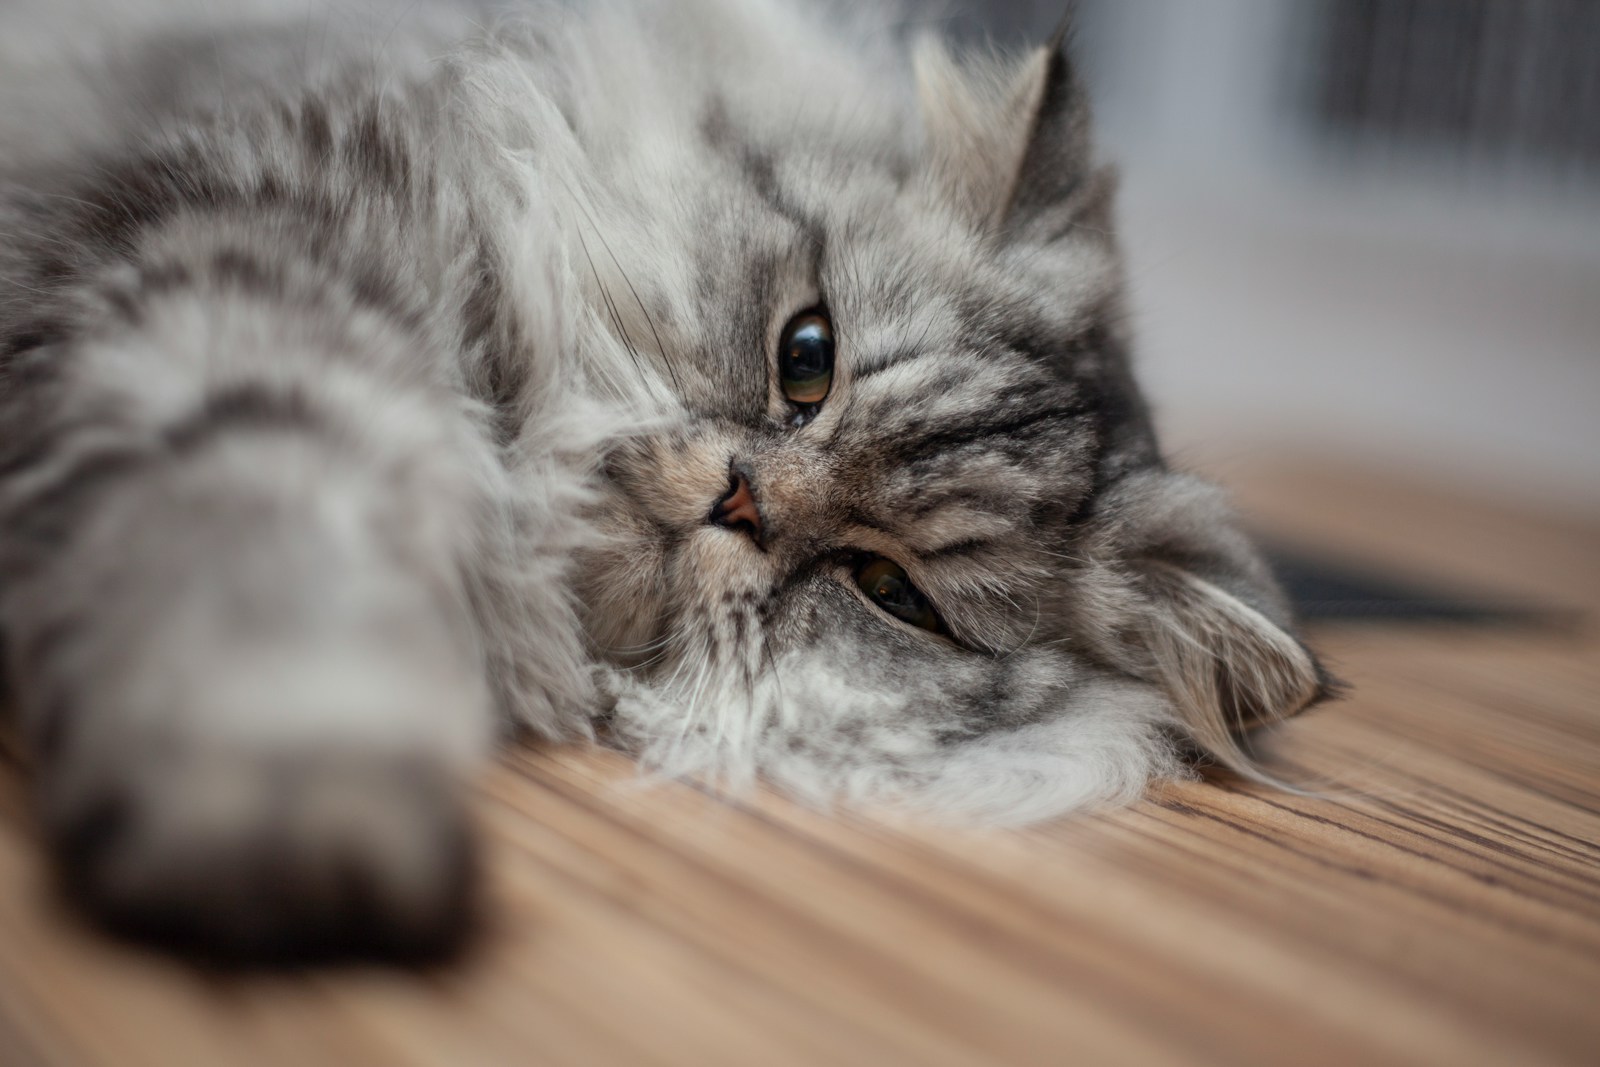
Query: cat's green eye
{"x": 887, "y": 585}
{"x": 805, "y": 358}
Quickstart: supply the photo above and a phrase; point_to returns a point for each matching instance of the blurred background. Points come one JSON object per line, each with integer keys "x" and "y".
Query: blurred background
{"x": 1362, "y": 228}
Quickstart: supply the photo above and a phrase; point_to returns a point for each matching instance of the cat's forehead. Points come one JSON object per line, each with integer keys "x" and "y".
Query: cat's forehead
{"x": 964, "y": 377}
{"x": 966, "y": 452}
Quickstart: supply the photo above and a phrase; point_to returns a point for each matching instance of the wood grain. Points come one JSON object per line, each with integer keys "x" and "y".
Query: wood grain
{"x": 1437, "y": 902}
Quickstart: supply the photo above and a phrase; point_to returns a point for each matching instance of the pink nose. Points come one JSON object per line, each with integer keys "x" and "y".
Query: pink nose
{"x": 737, "y": 509}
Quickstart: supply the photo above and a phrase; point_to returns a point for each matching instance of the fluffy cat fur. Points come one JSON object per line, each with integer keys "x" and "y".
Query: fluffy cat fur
{"x": 368, "y": 374}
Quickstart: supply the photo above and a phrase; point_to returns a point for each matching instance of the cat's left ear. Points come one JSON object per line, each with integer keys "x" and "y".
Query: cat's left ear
{"x": 1008, "y": 142}
{"x": 1198, "y": 613}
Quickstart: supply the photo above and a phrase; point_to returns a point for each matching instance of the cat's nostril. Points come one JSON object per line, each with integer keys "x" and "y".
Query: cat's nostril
{"x": 737, "y": 510}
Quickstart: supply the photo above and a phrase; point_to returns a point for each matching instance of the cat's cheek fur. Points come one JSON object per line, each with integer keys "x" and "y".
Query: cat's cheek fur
{"x": 829, "y": 727}
{"x": 835, "y": 702}
{"x": 1101, "y": 745}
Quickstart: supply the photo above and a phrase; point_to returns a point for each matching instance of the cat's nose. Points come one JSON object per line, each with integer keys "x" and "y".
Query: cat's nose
{"x": 738, "y": 510}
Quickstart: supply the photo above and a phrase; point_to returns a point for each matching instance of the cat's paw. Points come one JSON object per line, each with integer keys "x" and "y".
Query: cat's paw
{"x": 275, "y": 858}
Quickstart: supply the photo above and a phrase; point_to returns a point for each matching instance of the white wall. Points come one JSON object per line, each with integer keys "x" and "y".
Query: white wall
{"x": 1404, "y": 315}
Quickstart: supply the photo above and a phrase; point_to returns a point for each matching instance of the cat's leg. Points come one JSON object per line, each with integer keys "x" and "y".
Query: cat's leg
{"x": 236, "y": 592}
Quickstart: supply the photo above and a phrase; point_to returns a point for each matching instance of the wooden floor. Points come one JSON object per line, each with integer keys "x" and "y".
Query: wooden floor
{"x": 1451, "y": 914}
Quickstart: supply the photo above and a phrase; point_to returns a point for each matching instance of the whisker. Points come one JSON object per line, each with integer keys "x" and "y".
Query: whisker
{"x": 605, "y": 295}
{"x": 1020, "y": 645}
{"x": 649, "y": 321}
{"x": 771, "y": 662}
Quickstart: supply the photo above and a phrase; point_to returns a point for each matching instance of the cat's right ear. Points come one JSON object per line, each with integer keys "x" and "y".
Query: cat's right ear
{"x": 1008, "y": 141}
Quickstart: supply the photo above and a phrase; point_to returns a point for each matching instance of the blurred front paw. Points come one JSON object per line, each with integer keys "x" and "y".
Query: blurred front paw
{"x": 278, "y": 857}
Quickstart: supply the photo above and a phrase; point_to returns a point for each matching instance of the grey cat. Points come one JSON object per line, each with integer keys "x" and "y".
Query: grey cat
{"x": 730, "y": 377}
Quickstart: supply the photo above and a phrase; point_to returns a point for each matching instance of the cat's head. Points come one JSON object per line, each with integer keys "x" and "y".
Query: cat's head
{"x": 898, "y": 526}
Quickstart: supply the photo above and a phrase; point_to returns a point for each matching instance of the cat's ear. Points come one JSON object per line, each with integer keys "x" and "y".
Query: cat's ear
{"x": 1226, "y": 665}
{"x": 1205, "y": 622}
{"x": 1008, "y": 141}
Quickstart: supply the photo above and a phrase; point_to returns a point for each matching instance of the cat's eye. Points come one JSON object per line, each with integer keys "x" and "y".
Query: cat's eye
{"x": 805, "y": 358}
{"x": 887, "y": 585}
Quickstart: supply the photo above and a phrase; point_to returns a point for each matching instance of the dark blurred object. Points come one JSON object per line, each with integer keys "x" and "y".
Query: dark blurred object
{"x": 1491, "y": 84}
{"x": 1485, "y": 81}
{"x": 1326, "y": 591}
{"x": 1014, "y": 23}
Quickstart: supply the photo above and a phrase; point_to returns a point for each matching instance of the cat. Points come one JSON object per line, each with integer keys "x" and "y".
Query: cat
{"x": 745, "y": 382}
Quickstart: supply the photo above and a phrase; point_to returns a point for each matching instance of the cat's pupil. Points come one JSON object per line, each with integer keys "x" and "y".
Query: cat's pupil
{"x": 805, "y": 364}
{"x": 887, "y": 585}
{"x": 808, "y": 354}
{"x": 891, "y": 590}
